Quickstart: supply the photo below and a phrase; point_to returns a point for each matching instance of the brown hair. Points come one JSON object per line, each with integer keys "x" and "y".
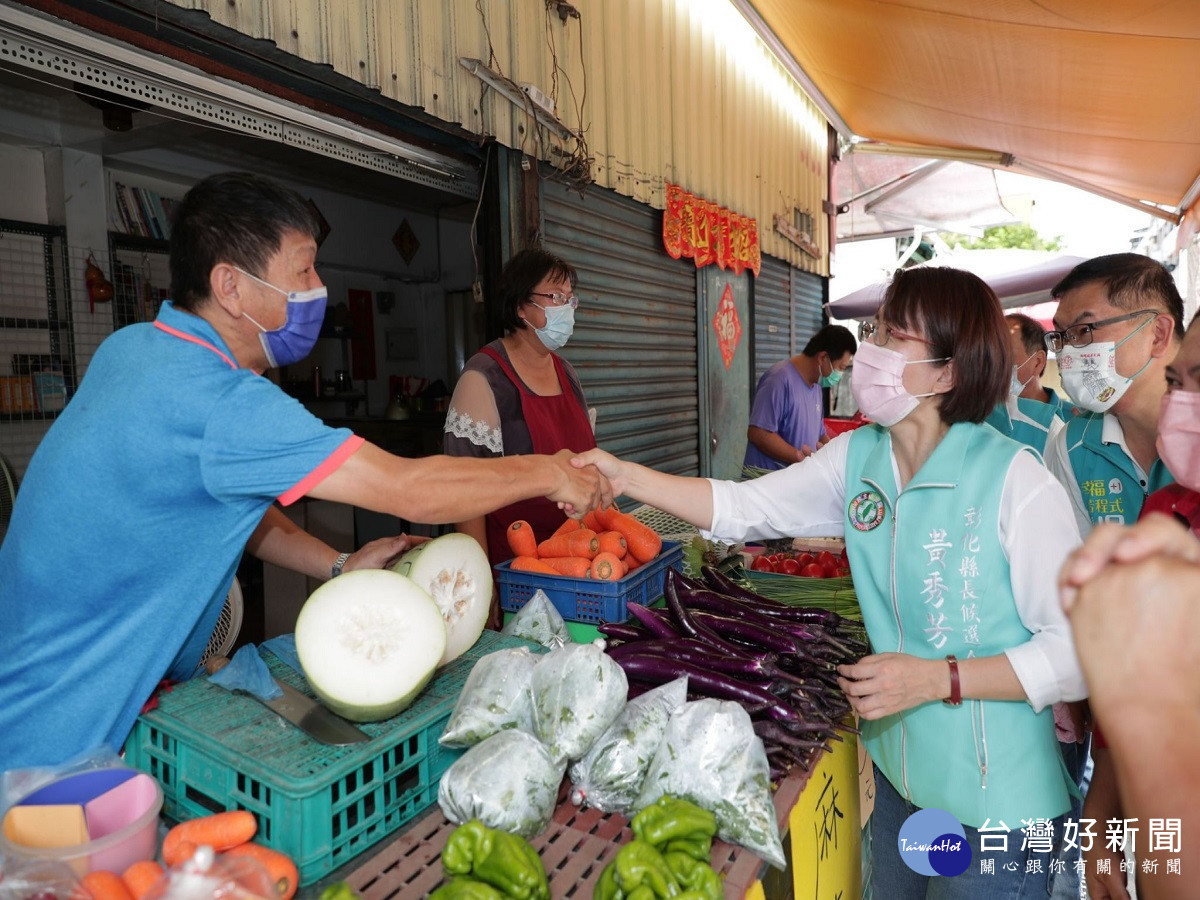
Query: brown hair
{"x": 962, "y": 319}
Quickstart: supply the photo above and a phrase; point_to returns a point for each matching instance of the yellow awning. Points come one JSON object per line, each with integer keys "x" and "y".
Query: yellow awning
{"x": 1096, "y": 93}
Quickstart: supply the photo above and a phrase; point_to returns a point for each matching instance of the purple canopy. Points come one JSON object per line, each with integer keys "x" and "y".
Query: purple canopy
{"x": 1015, "y": 287}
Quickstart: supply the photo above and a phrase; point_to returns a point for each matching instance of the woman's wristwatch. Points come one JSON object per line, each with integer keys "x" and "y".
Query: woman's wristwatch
{"x": 337, "y": 565}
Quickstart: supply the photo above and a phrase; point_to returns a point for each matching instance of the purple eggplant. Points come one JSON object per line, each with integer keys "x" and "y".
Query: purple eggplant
{"x": 683, "y": 618}
{"x": 746, "y": 630}
{"x": 661, "y": 669}
{"x": 653, "y": 621}
{"x": 622, "y": 632}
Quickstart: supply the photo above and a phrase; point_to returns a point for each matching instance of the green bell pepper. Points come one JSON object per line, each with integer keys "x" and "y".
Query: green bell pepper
{"x": 673, "y": 818}
{"x": 639, "y": 865}
{"x": 694, "y": 875}
{"x": 504, "y": 861}
{"x": 339, "y": 890}
{"x": 464, "y": 888}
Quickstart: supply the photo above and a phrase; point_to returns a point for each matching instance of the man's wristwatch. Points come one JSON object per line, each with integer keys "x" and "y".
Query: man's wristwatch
{"x": 955, "y": 698}
{"x": 337, "y": 565}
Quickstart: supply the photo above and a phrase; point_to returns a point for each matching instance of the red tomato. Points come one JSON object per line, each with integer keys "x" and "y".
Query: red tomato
{"x": 832, "y": 571}
{"x": 805, "y": 559}
{"x": 790, "y": 566}
{"x": 843, "y": 571}
{"x": 762, "y": 564}
{"x": 825, "y": 559}
{"x": 812, "y": 570}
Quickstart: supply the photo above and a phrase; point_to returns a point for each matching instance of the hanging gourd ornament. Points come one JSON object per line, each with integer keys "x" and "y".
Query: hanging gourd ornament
{"x": 99, "y": 288}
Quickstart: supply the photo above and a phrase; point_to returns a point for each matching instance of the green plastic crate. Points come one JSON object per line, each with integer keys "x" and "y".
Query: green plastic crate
{"x": 322, "y": 805}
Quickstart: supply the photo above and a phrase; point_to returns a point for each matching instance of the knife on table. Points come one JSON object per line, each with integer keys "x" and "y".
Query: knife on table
{"x": 307, "y": 714}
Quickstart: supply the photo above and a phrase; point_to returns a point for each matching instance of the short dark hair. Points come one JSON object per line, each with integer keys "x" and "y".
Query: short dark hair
{"x": 962, "y": 319}
{"x": 836, "y": 340}
{"x": 1033, "y": 335}
{"x": 521, "y": 275}
{"x": 1131, "y": 280}
{"x": 233, "y": 217}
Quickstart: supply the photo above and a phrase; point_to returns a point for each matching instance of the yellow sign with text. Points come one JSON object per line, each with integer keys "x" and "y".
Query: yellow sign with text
{"x": 825, "y": 828}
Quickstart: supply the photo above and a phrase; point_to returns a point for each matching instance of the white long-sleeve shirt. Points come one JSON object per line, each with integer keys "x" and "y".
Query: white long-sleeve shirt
{"x": 1037, "y": 531}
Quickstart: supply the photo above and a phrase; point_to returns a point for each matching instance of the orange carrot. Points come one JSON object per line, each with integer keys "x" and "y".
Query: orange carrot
{"x": 607, "y": 567}
{"x": 521, "y": 539}
{"x": 578, "y": 543}
{"x": 643, "y": 542}
{"x": 604, "y": 517}
{"x": 101, "y": 885}
{"x": 279, "y": 866}
{"x": 567, "y": 527}
{"x": 575, "y": 566}
{"x": 613, "y": 542}
{"x": 220, "y": 831}
{"x": 591, "y": 521}
{"x": 531, "y": 564}
{"x": 141, "y": 876}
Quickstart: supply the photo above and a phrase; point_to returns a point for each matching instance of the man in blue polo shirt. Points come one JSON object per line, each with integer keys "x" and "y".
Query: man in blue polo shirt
{"x": 165, "y": 465}
{"x": 787, "y": 419}
{"x": 1119, "y": 322}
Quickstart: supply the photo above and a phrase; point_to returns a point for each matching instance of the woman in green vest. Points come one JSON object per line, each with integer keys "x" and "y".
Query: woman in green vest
{"x": 955, "y": 535}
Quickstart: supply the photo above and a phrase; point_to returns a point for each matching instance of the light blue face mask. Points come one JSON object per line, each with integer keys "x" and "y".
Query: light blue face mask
{"x": 295, "y": 338}
{"x": 560, "y": 323}
{"x": 831, "y": 380}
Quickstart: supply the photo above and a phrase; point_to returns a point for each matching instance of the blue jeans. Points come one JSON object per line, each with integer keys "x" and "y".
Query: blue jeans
{"x": 892, "y": 879}
{"x": 1078, "y": 761}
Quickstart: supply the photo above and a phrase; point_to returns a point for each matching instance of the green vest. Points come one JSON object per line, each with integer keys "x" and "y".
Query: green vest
{"x": 1026, "y": 421}
{"x": 932, "y": 579}
{"x": 1108, "y": 479}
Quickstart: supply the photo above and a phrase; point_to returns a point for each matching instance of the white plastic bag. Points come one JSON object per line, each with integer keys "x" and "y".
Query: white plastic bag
{"x": 711, "y": 756}
{"x": 577, "y": 690}
{"x": 508, "y": 781}
{"x": 610, "y": 775}
{"x": 538, "y": 621}
{"x": 494, "y": 699}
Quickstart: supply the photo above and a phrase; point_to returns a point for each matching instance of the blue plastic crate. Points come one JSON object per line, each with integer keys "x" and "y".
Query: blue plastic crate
{"x": 322, "y": 805}
{"x": 586, "y": 600}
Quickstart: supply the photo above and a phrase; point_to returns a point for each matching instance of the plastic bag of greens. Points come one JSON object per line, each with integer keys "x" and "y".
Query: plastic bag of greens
{"x": 577, "y": 690}
{"x": 494, "y": 699}
{"x": 507, "y": 781}
{"x": 540, "y": 622}
{"x": 610, "y": 775}
{"x": 711, "y": 756}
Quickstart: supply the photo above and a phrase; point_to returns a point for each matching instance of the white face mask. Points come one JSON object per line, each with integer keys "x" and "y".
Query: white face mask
{"x": 878, "y": 383}
{"x": 1015, "y": 384}
{"x": 1089, "y": 374}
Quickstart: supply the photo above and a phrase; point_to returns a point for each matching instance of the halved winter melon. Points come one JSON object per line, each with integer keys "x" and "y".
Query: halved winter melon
{"x": 455, "y": 572}
{"x": 368, "y": 641}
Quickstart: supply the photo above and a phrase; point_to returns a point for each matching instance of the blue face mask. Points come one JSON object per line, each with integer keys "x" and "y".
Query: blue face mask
{"x": 295, "y": 338}
{"x": 560, "y": 322}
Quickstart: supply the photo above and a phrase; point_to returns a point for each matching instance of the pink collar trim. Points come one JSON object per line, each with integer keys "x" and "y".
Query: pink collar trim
{"x": 183, "y": 335}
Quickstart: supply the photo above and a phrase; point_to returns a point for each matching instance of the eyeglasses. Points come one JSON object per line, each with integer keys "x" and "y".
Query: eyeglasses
{"x": 557, "y": 299}
{"x": 883, "y": 333}
{"x": 1083, "y": 334}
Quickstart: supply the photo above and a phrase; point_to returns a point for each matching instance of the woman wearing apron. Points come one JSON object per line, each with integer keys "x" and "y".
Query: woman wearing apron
{"x": 517, "y": 396}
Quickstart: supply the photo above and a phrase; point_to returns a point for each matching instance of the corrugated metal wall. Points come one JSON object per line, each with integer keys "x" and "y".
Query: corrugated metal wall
{"x": 808, "y": 299}
{"x": 772, "y": 316}
{"x": 634, "y": 344}
{"x": 664, "y": 90}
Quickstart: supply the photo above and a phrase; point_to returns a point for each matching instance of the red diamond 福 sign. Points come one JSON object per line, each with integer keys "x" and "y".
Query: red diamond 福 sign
{"x": 727, "y": 325}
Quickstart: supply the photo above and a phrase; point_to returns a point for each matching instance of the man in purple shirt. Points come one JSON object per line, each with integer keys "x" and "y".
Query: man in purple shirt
{"x": 787, "y": 421}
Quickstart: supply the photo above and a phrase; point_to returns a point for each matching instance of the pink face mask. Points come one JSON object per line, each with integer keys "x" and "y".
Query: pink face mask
{"x": 878, "y": 384}
{"x": 1178, "y": 436}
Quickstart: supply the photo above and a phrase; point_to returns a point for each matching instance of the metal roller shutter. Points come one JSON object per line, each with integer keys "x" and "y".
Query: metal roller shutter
{"x": 772, "y": 316}
{"x": 808, "y": 302}
{"x": 634, "y": 344}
